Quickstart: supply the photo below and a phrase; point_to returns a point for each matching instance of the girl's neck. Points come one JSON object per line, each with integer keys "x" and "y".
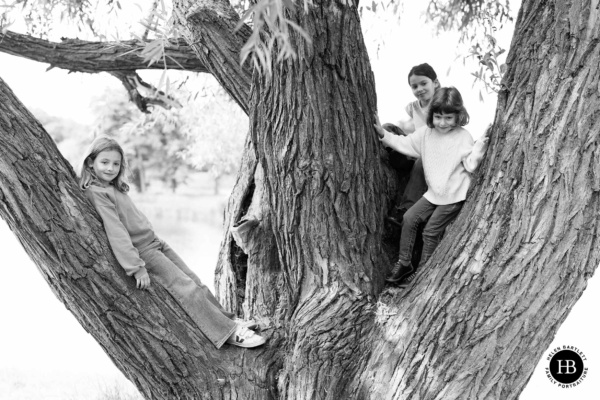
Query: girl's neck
{"x": 424, "y": 106}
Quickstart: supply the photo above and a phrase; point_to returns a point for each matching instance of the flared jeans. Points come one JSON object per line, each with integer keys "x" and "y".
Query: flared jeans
{"x": 168, "y": 269}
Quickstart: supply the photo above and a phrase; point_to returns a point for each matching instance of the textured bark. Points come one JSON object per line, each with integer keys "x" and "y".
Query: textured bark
{"x": 210, "y": 29}
{"x": 479, "y": 316}
{"x": 313, "y": 129}
{"x": 91, "y": 57}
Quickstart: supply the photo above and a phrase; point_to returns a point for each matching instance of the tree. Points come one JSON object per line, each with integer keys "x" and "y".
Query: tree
{"x": 314, "y": 192}
{"x": 216, "y": 128}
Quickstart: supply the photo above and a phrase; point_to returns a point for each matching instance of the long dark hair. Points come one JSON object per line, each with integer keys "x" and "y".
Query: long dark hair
{"x": 86, "y": 172}
{"x": 422, "y": 70}
{"x": 448, "y": 100}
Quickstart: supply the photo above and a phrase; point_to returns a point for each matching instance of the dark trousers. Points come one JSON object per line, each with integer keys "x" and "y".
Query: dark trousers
{"x": 416, "y": 186}
{"x": 439, "y": 218}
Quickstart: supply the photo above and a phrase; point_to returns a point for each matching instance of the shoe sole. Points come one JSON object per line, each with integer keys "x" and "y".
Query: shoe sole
{"x": 248, "y": 344}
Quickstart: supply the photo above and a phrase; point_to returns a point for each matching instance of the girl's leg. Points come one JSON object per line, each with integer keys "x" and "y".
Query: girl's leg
{"x": 416, "y": 186}
{"x": 434, "y": 230}
{"x": 415, "y": 215}
{"x": 174, "y": 257}
{"x": 197, "y": 302}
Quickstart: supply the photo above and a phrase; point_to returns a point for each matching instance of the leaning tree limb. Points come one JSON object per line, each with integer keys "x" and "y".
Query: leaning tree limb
{"x": 83, "y": 56}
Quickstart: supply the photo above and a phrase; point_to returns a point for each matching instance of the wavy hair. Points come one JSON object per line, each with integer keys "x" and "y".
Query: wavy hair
{"x": 86, "y": 171}
{"x": 448, "y": 100}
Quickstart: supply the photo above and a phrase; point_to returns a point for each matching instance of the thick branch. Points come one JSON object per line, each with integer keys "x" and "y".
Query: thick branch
{"x": 210, "y": 29}
{"x": 91, "y": 57}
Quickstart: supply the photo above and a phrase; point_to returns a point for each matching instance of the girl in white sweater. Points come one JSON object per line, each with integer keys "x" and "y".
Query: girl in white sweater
{"x": 449, "y": 157}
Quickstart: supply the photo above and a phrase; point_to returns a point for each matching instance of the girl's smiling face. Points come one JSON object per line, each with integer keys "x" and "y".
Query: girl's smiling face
{"x": 443, "y": 122}
{"x": 107, "y": 165}
{"x": 423, "y": 88}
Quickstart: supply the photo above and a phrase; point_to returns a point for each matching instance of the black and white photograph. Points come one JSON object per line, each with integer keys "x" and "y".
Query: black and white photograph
{"x": 299, "y": 200}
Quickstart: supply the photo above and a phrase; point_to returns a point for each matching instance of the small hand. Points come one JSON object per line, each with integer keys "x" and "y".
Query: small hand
{"x": 142, "y": 280}
{"x": 481, "y": 145}
{"x": 378, "y": 127}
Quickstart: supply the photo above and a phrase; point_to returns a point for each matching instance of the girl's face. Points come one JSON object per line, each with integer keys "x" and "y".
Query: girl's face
{"x": 423, "y": 88}
{"x": 107, "y": 165}
{"x": 443, "y": 122}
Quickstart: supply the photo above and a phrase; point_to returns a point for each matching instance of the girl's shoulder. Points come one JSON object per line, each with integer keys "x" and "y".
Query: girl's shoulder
{"x": 466, "y": 134}
{"x": 103, "y": 193}
{"x": 412, "y": 107}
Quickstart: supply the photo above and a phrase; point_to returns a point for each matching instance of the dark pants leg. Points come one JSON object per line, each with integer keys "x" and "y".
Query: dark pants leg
{"x": 416, "y": 186}
{"x": 416, "y": 215}
{"x": 166, "y": 268}
{"x": 434, "y": 230}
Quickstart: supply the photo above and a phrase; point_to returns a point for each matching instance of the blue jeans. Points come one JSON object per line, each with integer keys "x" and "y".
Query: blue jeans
{"x": 439, "y": 218}
{"x": 168, "y": 269}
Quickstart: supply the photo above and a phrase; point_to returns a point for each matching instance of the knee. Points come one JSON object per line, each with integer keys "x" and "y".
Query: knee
{"x": 431, "y": 232}
{"x": 410, "y": 218}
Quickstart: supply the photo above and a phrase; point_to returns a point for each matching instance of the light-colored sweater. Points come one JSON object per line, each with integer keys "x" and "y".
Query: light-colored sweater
{"x": 448, "y": 160}
{"x": 128, "y": 230}
{"x": 417, "y": 114}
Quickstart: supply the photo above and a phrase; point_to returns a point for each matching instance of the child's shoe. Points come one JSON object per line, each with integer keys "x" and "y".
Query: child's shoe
{"x": 244, "y": 337}
{"x": 250, "y": 324}
{"x": 400, "y": 272}
{"x": 406, "y": 281}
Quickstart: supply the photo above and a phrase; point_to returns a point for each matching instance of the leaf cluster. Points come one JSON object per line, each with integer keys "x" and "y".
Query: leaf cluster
{"x": 488, "y": 52}
{"x": 40, "y": 15}
{"x": 271, "y": 32}
{"x": 467, "y": 16}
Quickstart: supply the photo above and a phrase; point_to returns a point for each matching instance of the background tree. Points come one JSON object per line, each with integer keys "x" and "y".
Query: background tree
{"x": 313, "y": 187}
{"x": 216, "y": 128}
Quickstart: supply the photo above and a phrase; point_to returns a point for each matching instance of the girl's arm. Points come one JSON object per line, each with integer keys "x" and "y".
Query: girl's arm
{"x": 472, "y": 161}
{"x": 409, "y": 145}
{"x": 119, "y": 239}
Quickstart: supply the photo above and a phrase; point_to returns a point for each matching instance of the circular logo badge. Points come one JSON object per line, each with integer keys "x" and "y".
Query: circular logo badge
{"x": 566, "y": 366}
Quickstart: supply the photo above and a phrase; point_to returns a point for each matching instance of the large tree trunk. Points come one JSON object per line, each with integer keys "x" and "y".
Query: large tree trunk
{"x": 303, "y": 247}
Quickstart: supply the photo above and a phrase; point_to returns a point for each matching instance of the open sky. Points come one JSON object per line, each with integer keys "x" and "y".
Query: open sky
{"x": 26, "y": 342}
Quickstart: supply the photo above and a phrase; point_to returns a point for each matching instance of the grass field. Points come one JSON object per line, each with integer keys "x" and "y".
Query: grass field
{"x": 44, "y": 353}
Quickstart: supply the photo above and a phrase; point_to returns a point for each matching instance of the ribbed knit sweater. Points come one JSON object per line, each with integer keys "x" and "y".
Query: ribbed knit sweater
{"x": 448, "y": 160}
{"x": 128, "y": 230}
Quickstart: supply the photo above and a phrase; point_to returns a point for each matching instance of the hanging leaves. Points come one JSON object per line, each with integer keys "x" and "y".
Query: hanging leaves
{"x": 271, "y": 30}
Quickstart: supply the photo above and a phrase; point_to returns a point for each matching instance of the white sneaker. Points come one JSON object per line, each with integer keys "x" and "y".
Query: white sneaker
{"x": 250, "y": 324}
{"x": 244, "y": 337}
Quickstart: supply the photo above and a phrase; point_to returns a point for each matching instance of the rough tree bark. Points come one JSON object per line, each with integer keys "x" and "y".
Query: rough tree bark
{"x": 83, "y": 56}
{"x": 489, "y": 303}
{"x": 312, "y": 191}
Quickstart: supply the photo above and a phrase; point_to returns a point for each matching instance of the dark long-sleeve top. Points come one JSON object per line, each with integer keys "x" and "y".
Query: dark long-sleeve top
{"x": 127, "y": 228}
